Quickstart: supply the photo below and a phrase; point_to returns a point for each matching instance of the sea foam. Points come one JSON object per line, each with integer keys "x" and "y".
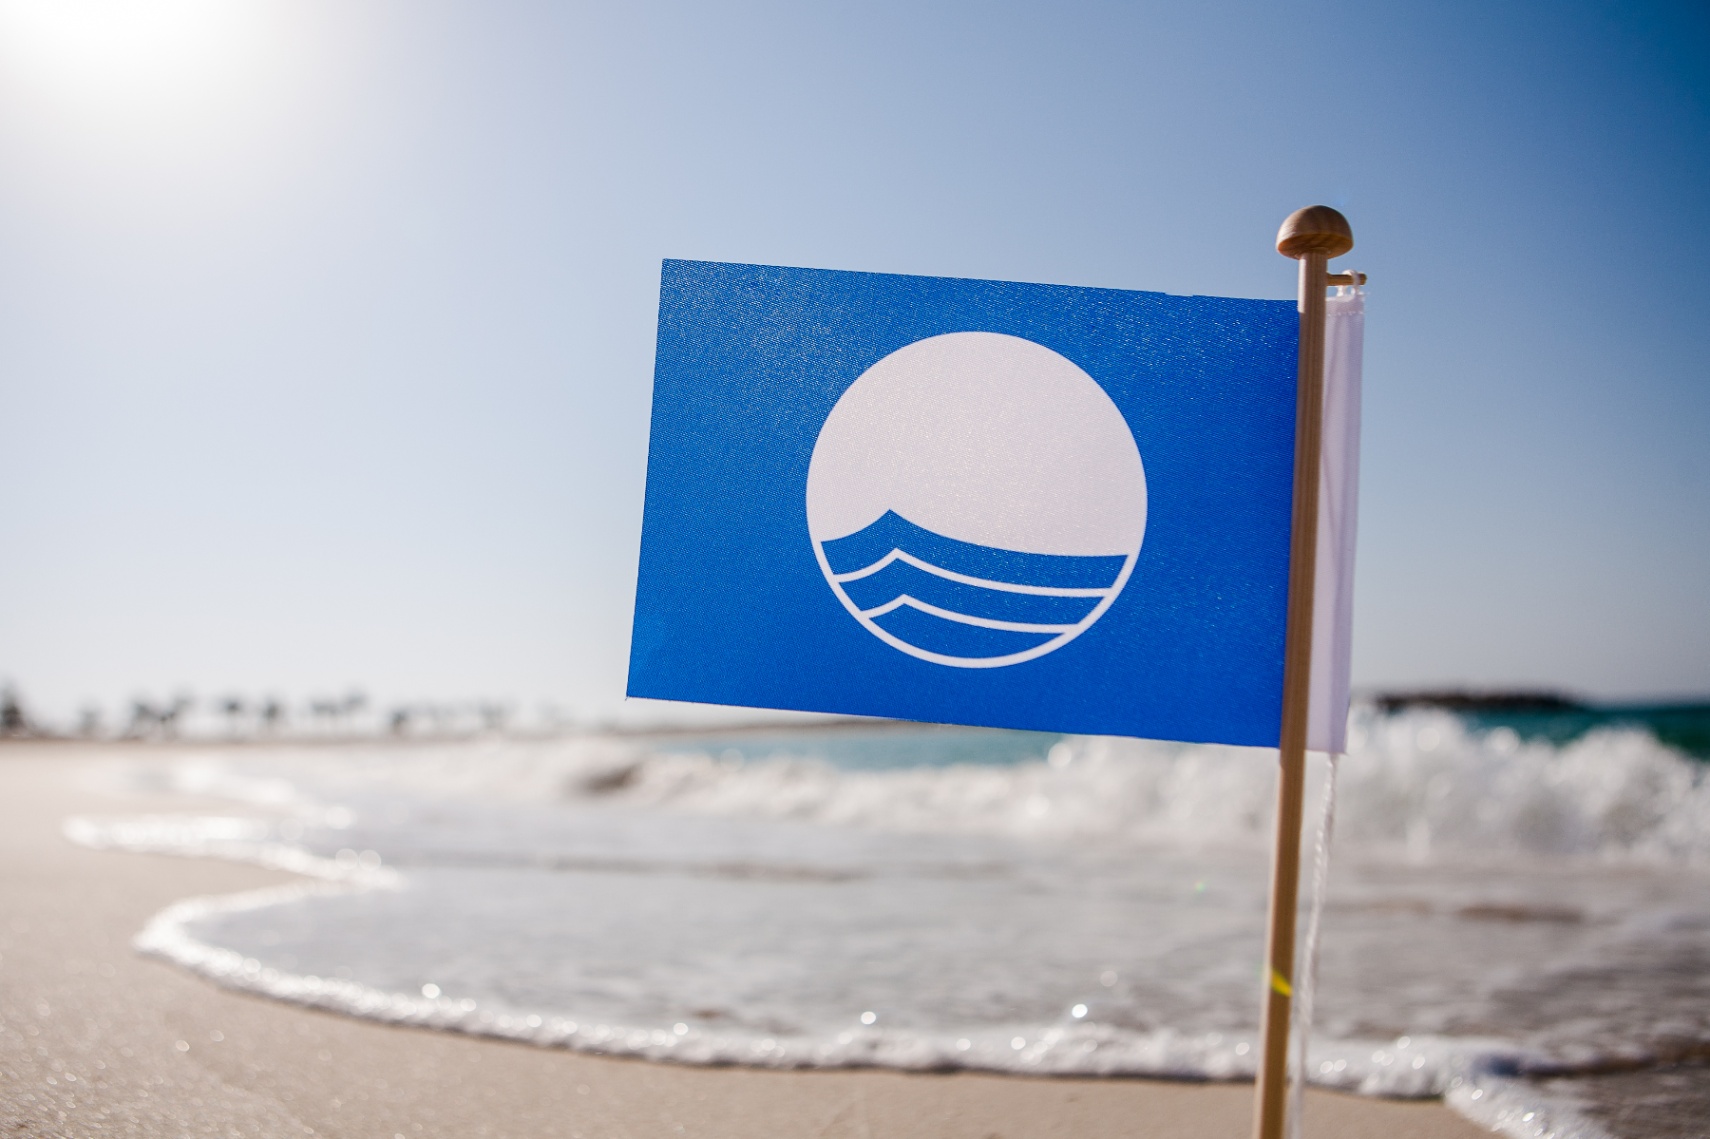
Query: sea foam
{"x": 1500, "y": 911}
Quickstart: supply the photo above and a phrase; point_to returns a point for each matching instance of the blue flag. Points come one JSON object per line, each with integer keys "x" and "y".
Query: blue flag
{"x": 969, "y": 502}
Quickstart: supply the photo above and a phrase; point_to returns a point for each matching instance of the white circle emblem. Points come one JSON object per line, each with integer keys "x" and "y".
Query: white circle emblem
{"x": 976, "y": 500}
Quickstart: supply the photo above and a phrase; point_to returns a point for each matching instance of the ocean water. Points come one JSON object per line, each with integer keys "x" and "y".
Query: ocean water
{"x": 1519, "y": 924}
{"x": 1684, "y": 727}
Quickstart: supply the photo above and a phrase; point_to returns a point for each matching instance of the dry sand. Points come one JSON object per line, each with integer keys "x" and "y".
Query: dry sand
{"x": 95, "y": 1040}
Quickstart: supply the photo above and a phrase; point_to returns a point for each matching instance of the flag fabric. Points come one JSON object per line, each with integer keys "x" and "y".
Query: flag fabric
{"x": 973, "y": 502}
{"x": 1338, "y": 513}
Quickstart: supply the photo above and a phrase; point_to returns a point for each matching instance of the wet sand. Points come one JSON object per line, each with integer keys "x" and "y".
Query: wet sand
{"x": 95, "y": 1040}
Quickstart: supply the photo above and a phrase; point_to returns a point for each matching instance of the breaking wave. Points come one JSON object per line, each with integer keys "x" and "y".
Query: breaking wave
{"x": 1501, "y": 910}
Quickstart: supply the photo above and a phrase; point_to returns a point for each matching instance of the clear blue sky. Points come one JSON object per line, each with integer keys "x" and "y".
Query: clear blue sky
{"x": 326, "y": 329}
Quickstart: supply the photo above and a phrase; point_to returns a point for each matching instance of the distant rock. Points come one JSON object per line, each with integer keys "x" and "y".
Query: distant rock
{"x": 1470, "y": 700}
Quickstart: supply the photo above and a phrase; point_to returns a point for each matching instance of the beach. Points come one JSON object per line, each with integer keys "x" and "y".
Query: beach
{"x": 97, "y": 1040}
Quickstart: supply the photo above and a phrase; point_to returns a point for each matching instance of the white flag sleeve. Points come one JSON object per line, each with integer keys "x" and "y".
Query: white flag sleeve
{"x": 1338, "y": 512}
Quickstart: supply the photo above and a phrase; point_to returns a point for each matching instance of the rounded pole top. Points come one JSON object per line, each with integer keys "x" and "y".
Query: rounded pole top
{"x": 1315, "y": 229}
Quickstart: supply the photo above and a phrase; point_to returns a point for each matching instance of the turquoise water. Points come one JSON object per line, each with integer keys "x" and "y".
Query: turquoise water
{"x": 1684, "y": 727}
{"x": 877, "y": 747}
{"x": 864, "y": 746}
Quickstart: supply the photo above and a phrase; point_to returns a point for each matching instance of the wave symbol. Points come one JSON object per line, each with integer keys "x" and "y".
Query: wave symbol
{"x": 958, "y": 603}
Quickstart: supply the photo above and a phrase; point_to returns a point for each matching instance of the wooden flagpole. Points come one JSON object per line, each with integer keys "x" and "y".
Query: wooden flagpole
{"x": 1311, "y": 236}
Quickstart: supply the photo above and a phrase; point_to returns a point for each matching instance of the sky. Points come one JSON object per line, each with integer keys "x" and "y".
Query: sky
{"x": 326, "y": 328}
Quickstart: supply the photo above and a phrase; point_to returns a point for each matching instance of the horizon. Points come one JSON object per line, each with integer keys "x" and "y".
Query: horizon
{"x": 352, "y": 716}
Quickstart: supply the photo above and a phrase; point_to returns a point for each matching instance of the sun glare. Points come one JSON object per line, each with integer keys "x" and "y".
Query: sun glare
{"x": 111, "y": 56}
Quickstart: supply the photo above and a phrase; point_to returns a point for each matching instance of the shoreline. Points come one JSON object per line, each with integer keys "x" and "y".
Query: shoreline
{"x": 97, "y": 1039}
